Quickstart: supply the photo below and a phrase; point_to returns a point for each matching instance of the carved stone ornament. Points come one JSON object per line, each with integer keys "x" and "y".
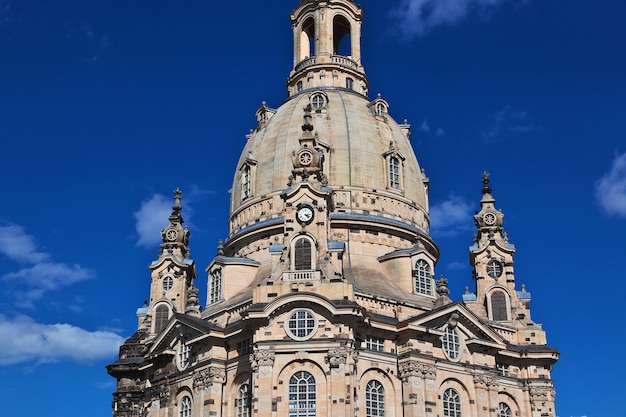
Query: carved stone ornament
{"x": 488, "y": 382}
{"x": 413, "y": 368}
{"x": 207, "y": 377}
{"x": 539, "y": 394}
{"x": 337, "y": 357}
{"x": 263, "y": 357}
{"x": 161, "y": 392}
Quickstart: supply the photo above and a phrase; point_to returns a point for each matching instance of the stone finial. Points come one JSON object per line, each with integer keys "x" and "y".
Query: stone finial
{"x": 486, "y": 189}
{"x": 442, "y": 291}
{"x": 177, "y": 207}
{"x": 220, "y": 247}
{"x": 307, "y": 126}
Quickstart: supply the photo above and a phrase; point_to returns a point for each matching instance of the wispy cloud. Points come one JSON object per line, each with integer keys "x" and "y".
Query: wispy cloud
{"x": 152, "y": 215}
{"x": 419, "y": 17}
{"x": 41, "y": 274}
{"x": 507, "y": 122}
{"x": 451, "y": 217}
{"x": 150, "y": 220}
{"x": 22, "y": 340}
{"x": 610, "y": 190}
{"x": 5, "y": 13}
{"x": 425, "y": 128}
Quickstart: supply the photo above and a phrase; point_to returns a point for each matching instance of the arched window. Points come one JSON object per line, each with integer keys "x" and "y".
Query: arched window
{"x": 160, "y": 317}
{"x": 302, "y": 254}
{"x": 374, "y": 399}
{"x": 451, "y": 344}
{"x": 215, "y": 292}
{"x": 380, "y": 109}
{"x": 185, "y": 407}
{"x": 451, "y": 403}
{"x": 504, "y": 410}
{"x": 342, "y": 44}
{"x": 243, "y": 401}
{"x": 307, "y": 39}
{"x": 302, "y": 396}
{"x": 498, "y": 306}
{"x": 423, "y": 278}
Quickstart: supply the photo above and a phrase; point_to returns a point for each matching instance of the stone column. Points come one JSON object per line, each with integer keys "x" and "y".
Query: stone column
{"x": 418, "y": 381}
{"x": 486, "y": 387}
{"x": 341, "y": 384}
{"x": 208, "y": 385}
{"x": 263, "y": 401}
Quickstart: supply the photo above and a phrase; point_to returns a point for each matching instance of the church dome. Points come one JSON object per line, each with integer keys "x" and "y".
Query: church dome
{"x": 364, "y": 149}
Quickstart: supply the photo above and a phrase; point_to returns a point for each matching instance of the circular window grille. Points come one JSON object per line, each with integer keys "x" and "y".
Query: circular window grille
{"x": 301, "y": 325}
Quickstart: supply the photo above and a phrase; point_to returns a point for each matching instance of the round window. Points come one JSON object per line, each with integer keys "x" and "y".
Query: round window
{"x": 301, "y": 325}
{"x": 494, "y": 269}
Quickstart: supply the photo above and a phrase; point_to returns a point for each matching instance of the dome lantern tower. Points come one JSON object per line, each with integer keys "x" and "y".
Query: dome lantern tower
{"x": 327, "y": 46}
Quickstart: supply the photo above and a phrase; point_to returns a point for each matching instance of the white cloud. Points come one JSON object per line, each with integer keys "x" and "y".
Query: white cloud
{"x": 42, "y": 274}
{"x": 16, "y": 244}
{"x": 457, "y": 266}
{"x": 418, "y": 17}
{"x": 610, "y": 190}
{"x": 151, "y": 218}
{"x": 507, "y": 122}
{"x": 451, "y": 217}
{"x": 22, "y": 340}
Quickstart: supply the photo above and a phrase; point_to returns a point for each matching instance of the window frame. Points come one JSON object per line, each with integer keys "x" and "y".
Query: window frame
{"x": 422, "y": 278}
{"x": 451, "y": 344}
{"x": 304, "y": 317}
{"x": 216, "y": 285}
{"x": 374, "y": 343}
{"x": 243, "y": 401}
{"x": 451, "y": 403}
{"x": 302, "y": 402}
{"x": 185, "y": 407}
{"x": 161, "y": 316}
{"x": 374, "y": 399}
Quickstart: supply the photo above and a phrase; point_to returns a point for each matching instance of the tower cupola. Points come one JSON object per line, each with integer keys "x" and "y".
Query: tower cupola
{"x": 327, "y": 46}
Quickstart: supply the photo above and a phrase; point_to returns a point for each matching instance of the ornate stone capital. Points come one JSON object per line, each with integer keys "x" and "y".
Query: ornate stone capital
{"x": 486, "y": 381}
{"x": 539, "y": 394}
{"x": 337, "y": 357}
{"x": 263, "y": 357}
{"x": 413, "y": 368}
{"x": 207, "y": 377}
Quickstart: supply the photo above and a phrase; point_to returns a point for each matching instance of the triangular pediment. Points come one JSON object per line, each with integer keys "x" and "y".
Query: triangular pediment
{"x": 180, "y": 327}
{"x": 475, "y": 330}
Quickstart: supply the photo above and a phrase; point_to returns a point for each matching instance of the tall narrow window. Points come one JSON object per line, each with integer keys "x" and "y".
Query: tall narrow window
{"x": 299, "y": 86}
{"x": 423, "y": 278}
{"x": 349, "y": 83}
{"x": 243, "y": 401}
{"x": 451, "y": 403}
{"x": 374, "y": 399}
{"x": 246, "y": 182}
{"x": 504, "y": 410}
{"x": 215, "y": 293}
{"x": 302, "y": 396}
{"x": 161, "y": 316}
{"x": 182, "y": 356}
{"x": 185, "y": 407}
{"x": 302, "y": 253}
{"x": 498, "y": 306}
{"x": 451, "y": 344}
{"x": 394, "y": 172}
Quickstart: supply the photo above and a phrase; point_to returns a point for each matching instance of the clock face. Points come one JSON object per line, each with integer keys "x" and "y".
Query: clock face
{"x": 489, "y": 218}
{"x": 305, "y": 214}
{"x": 305, "y": 158}
{"x": 494, "y": 269}
{"x": 171, "y": 235}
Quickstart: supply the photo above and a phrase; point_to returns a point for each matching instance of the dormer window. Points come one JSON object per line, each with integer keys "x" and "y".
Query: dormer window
{"x": 380, "y": 109}
{"x": 423, "y": 278}
{"x": 394, "y": 162}
{"x": 318, "y": 101}
{"x": 215, "y": 286}
{"x": 247, "y": 174}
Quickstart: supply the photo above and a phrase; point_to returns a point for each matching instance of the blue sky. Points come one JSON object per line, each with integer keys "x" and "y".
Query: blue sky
{"x": 108, "y": 106}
